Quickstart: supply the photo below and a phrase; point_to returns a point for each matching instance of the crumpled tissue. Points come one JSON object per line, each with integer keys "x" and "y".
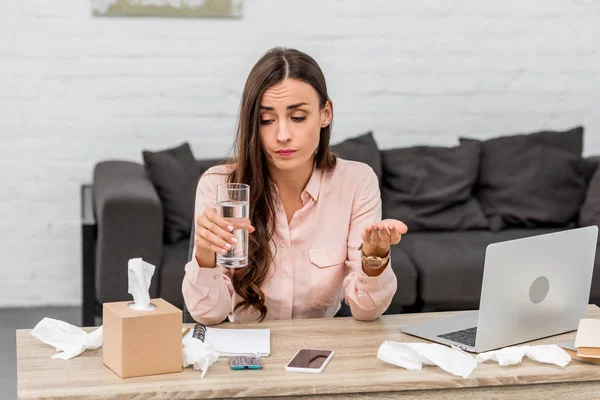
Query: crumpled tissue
{"x": 549, "y": 354}
{"x": 198, "y": 353}
{"x": 139, "y": 277}
{"x": 69, "y": 339}
{"x": 412, "y": 356}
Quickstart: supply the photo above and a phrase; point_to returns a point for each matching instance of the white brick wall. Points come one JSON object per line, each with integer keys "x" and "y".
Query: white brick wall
{"x": 75, "y": 90}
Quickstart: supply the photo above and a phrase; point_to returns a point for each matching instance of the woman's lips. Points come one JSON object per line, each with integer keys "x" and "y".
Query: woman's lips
{"x": 285, "y": 153}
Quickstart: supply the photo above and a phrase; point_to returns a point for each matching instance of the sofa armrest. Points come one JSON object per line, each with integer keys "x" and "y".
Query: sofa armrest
{"x": 130, "y": 225}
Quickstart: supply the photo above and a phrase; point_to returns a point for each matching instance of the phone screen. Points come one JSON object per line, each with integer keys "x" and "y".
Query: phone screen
{"x": 307, "y": 358}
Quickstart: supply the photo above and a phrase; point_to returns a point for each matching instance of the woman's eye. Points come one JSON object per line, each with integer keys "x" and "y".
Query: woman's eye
{"x": 265, "y": 121}
{"x": 298, "y": 119}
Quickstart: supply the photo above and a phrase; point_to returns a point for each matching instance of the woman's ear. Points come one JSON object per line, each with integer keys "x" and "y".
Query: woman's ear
{"x": 327, "y": 114}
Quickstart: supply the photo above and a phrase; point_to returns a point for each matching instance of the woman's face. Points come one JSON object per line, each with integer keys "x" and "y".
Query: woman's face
{"x": 290, "y": 124}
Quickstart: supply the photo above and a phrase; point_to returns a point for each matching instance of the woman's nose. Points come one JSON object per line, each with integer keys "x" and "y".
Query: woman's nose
{"x": 283, "y": 134}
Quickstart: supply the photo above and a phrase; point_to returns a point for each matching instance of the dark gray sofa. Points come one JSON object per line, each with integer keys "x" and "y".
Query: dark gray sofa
{"x": 437, "y": 267}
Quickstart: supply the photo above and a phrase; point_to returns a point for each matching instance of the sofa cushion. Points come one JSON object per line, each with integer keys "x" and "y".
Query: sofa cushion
{"x": 429, "y": 188}
{"x": 591, "y": 165}
{"x": 532, "y": 180}
{"x": 450, "y": 264}
{"x": 595, "y": 291}
{"x": 174, "y": 174}
{"x": 361, "y": 148}
{"x": 207, "y": 163}
{"x": 589, "y": 214}
{"x": 406, "y": 276}
{"x": 171, "y": 272}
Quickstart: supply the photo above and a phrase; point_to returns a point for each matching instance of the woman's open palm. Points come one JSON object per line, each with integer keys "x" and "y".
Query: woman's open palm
{"x": 384, "y": 233}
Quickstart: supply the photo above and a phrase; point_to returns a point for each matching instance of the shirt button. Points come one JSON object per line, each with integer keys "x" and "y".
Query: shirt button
{"x": 216, "y": 277}
{"x": 301, "y": 214}
{"x": 363, "y": 282}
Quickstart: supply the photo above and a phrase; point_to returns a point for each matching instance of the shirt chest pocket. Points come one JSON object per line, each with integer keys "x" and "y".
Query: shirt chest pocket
{"x": 327, "y": 275}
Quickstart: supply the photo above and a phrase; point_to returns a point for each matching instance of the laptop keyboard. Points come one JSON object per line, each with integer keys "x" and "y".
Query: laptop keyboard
{"x": 465, "y": 336}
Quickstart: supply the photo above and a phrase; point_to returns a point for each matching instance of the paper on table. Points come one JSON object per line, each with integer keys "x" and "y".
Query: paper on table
{"x": 235, "y": 342}
{"x": 588, "y": 333}
{"x": 412, "y": 356}
{"x": 67, "y": 338}
{"x": 549, "y": 354}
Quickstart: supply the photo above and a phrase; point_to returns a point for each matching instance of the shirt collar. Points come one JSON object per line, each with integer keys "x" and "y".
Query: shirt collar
{"x": 313, "y": 187}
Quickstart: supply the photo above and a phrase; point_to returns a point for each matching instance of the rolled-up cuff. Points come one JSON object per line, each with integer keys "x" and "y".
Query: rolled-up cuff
{"x": 209, "y": 277}
{"x": 380, "y": 287}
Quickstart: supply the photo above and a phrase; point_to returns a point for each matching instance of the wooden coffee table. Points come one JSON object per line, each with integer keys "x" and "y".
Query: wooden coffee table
{"x": 354, "y": 372}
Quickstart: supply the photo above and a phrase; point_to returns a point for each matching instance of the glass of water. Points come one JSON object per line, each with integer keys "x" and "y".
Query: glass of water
{"x": 233, "y": 205}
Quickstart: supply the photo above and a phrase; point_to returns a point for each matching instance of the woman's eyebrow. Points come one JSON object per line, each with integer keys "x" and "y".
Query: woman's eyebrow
{"x": 290, "y": 107}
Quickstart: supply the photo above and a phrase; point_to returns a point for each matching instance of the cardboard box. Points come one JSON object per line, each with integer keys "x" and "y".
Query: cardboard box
{"x": 140, "y": 343}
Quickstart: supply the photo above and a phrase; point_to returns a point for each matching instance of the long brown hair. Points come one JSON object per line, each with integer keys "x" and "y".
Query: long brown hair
{"x": 251, "y": 164}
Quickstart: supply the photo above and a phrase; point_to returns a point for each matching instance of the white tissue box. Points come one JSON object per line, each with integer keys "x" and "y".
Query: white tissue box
{"x": 140, "y": 343}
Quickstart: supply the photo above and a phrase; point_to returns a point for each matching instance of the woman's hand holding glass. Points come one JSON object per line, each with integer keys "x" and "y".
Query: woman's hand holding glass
{"x": 214, "y": 235}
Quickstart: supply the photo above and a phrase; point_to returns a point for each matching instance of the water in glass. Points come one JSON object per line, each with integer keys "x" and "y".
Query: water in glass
{"x": 238, "y": 255}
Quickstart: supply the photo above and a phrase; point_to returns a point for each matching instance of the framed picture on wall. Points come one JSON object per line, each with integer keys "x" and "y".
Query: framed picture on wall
{"x": 168, "y": 8}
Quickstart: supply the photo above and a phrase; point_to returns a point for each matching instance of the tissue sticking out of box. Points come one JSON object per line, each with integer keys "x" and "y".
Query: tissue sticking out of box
{"x": 140, "y": 274}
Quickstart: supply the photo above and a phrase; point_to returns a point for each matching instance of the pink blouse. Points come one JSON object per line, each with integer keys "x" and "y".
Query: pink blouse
{"x": 317, "y": 262}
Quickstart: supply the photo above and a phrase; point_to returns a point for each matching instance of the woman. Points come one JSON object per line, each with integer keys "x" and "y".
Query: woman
{"x": 316, "y": 235}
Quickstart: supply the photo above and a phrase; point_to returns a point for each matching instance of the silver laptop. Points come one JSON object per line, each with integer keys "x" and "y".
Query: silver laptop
{"x": 532, "y": 288}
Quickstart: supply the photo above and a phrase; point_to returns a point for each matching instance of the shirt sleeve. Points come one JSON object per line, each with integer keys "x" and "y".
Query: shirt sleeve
{"x": 207, "y": 292}
{"x": 368, "y": 297}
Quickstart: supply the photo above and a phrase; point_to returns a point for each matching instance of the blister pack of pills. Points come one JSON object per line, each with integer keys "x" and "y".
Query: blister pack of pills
{"x": 243, "y": 362}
